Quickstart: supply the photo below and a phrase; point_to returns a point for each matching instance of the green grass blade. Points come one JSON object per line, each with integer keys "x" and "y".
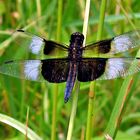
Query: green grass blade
{"x": 55, "y": 96}
{"x": 19, "y": 126}
{"x": 118, "y": 109}
{"x": 101, "y": 19}
{"x": 122, "y": 98}
{"x": 120, "y": 105}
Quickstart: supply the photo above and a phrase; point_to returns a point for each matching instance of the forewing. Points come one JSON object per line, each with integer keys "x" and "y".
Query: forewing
{"x": 90, "y": 69}
{"x": 52, "y": 70}
{"x": 115, "y": 45}
{"x": 38, "y": 45}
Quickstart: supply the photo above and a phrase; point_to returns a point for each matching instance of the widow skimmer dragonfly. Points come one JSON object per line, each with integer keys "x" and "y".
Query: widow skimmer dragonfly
{"x": 75, "y": 65}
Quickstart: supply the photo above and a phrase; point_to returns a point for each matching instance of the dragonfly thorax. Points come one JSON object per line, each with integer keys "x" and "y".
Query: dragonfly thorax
{"x": 76, "y": 43}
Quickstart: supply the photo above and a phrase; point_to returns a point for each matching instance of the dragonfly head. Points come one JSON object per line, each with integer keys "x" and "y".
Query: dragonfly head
{"x": 77, "y": 37}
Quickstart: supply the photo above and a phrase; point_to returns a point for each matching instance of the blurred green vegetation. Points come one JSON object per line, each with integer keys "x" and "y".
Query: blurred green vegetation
{"x": 16, "y": 95}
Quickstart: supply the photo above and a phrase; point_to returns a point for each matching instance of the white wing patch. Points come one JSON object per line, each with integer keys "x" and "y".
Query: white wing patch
{"x": 122, "y": 43}
{"x": 36, "y": 44}
{"x": 120, "y": 67}
{"x": 125, "y": 42}
{"x": 115, "y": 68}
{"x": 31, "y": 69}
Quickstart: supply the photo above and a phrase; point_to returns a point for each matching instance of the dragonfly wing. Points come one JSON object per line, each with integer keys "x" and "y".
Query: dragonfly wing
{"x": 120, "y": 67}
{"x": 125, "y": 42}
{"x": 55, "y": 70}
{"x": 26, "y": 69}
{"x": 115, "y": 45}
{"x": 52, "y": 70}
{"x": 38, "y": 45}
{"x": 90, "y": 69}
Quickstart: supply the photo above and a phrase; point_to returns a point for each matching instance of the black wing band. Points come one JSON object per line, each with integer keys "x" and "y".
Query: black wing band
{"x": 90, "y": 69}
{"x": 55, "y": 70}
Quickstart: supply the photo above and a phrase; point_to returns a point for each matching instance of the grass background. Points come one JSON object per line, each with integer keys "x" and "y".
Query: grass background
{"x": 16, "y": 95}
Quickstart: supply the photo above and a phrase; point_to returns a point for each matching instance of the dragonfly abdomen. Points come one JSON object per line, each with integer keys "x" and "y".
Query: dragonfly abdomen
{"x": 70, "y": 80}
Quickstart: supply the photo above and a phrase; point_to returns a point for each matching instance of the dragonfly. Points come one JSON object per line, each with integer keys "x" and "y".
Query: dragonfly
{"x": 74, "y": 62}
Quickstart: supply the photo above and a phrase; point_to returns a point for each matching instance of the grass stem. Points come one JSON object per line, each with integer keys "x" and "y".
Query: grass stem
{"x": 73, "y": 111}
{"x": 55, "y": 97}
{"x": 53, "y": 132}
{"x": 91, "y": 90}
